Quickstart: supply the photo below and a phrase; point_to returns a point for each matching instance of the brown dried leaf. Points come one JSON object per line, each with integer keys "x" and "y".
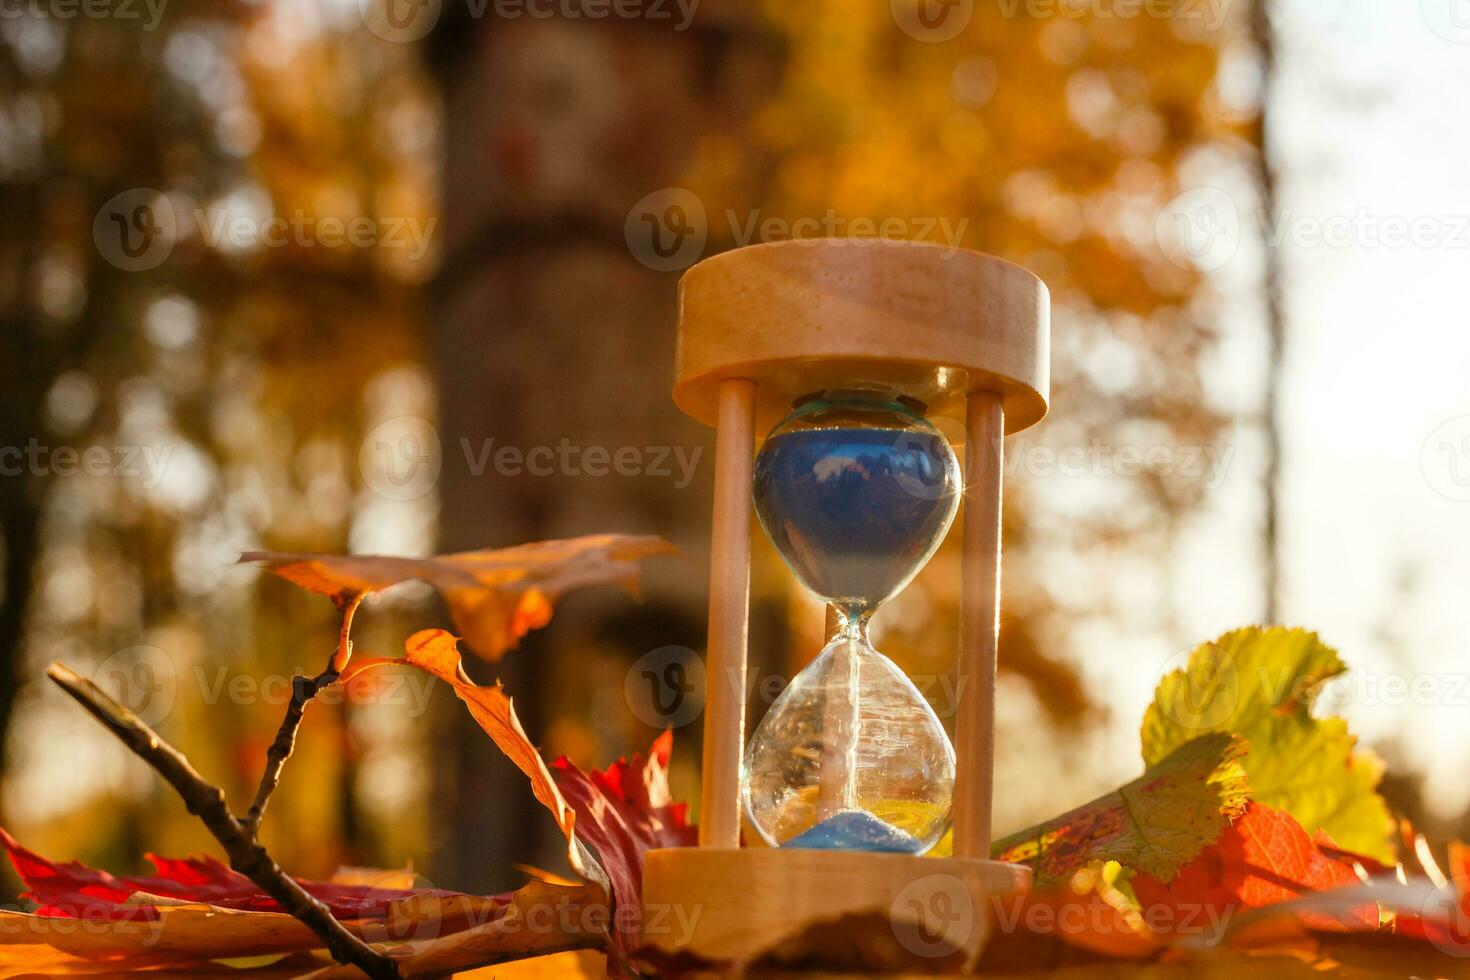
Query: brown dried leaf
{"x": 180, "y": 932}
{"x": 437, "y": 652}
{"x": 542, "y": 918}
{"x": 494, "y": 596}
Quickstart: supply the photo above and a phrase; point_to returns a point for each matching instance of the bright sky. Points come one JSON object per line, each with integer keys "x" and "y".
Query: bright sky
{"x": 1373, "y": 117}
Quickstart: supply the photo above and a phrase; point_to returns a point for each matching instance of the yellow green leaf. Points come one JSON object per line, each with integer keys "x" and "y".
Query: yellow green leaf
{"x": 1262, "y": 684}
{"x": 1155, "y": 824}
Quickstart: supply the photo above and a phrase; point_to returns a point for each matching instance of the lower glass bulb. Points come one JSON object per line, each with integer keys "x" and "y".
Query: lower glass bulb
{"x": 850, "y": 756}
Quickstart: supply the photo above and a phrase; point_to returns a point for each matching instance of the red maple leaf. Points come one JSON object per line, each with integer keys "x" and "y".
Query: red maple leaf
{"x": 73, "y": 890}
{"x": 622, "y": 812}
{"x": 1263, "y": 858}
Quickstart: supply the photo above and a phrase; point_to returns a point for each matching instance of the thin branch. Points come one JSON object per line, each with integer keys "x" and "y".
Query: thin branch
{"x": 207, "y": 802}
{"x": 303, "y": 691}
{"x": 348, "y": 605}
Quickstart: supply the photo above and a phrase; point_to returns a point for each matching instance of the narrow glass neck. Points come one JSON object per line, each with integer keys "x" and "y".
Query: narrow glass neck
{"x": 852, "y": 621}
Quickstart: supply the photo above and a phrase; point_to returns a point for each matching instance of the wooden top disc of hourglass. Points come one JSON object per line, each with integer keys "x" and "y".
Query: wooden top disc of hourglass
{"x": 928, "y": 321}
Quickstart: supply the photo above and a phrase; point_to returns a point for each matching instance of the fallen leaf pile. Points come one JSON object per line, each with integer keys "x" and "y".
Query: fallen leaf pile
{"x": 1255, "y": 839}
{"x": 1276, "y": 880}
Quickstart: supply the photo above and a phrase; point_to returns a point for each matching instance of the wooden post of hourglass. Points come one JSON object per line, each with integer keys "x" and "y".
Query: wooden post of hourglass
{"x": 966, "y": 334}
{"x": 729, "y": 590}
{"x": 979, "y": 625}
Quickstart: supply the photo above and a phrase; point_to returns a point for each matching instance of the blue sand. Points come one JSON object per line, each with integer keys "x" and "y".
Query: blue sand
{"x": 854, "y": 510}
{"x": 854, "y": 830}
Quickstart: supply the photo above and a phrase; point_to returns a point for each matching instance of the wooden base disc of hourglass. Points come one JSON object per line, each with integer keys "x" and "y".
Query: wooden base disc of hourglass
{"x": 729, "y": 906}
{"x": 927, "y": 321}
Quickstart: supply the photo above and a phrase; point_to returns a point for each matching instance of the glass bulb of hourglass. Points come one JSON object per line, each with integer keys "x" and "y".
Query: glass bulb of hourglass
{"x": 850, "y": 756}
{"x": 856, "y": 491}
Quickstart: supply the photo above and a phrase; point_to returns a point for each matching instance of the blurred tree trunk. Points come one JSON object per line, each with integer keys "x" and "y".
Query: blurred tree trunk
{"x": 36, "y": 351}
{"x": 20, "y": 514}
{"x": 550, "y": 333}
{"x": 1263, "y": 35}
{"x": 20, "y": 529}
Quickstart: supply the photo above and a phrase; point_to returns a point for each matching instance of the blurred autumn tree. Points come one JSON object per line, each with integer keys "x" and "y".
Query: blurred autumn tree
{"x": 274, "y": 375}
{"x": 248, "y": 370}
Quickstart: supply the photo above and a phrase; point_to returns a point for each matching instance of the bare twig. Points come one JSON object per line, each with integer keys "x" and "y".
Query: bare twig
{"x": 348, "y": 604}
{"x": 207, "y": 802}
{"x": 303, "y": 690}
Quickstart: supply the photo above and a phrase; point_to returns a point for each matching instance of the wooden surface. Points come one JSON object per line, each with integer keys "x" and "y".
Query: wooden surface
{"x": 1345, "y": 958}
{"x": 590, "y": 964}
{"x": 726, "y": 904}
{"x": 979, "y": 624}
{"x": 796, "y": 317}
{"x": 729, "y": 602}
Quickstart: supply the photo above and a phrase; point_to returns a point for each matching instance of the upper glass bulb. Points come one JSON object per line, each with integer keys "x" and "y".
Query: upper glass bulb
{"x": 856, "y": 489}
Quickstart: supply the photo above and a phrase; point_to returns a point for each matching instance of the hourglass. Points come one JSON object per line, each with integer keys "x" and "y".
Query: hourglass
{"x": 846, "y": 352}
